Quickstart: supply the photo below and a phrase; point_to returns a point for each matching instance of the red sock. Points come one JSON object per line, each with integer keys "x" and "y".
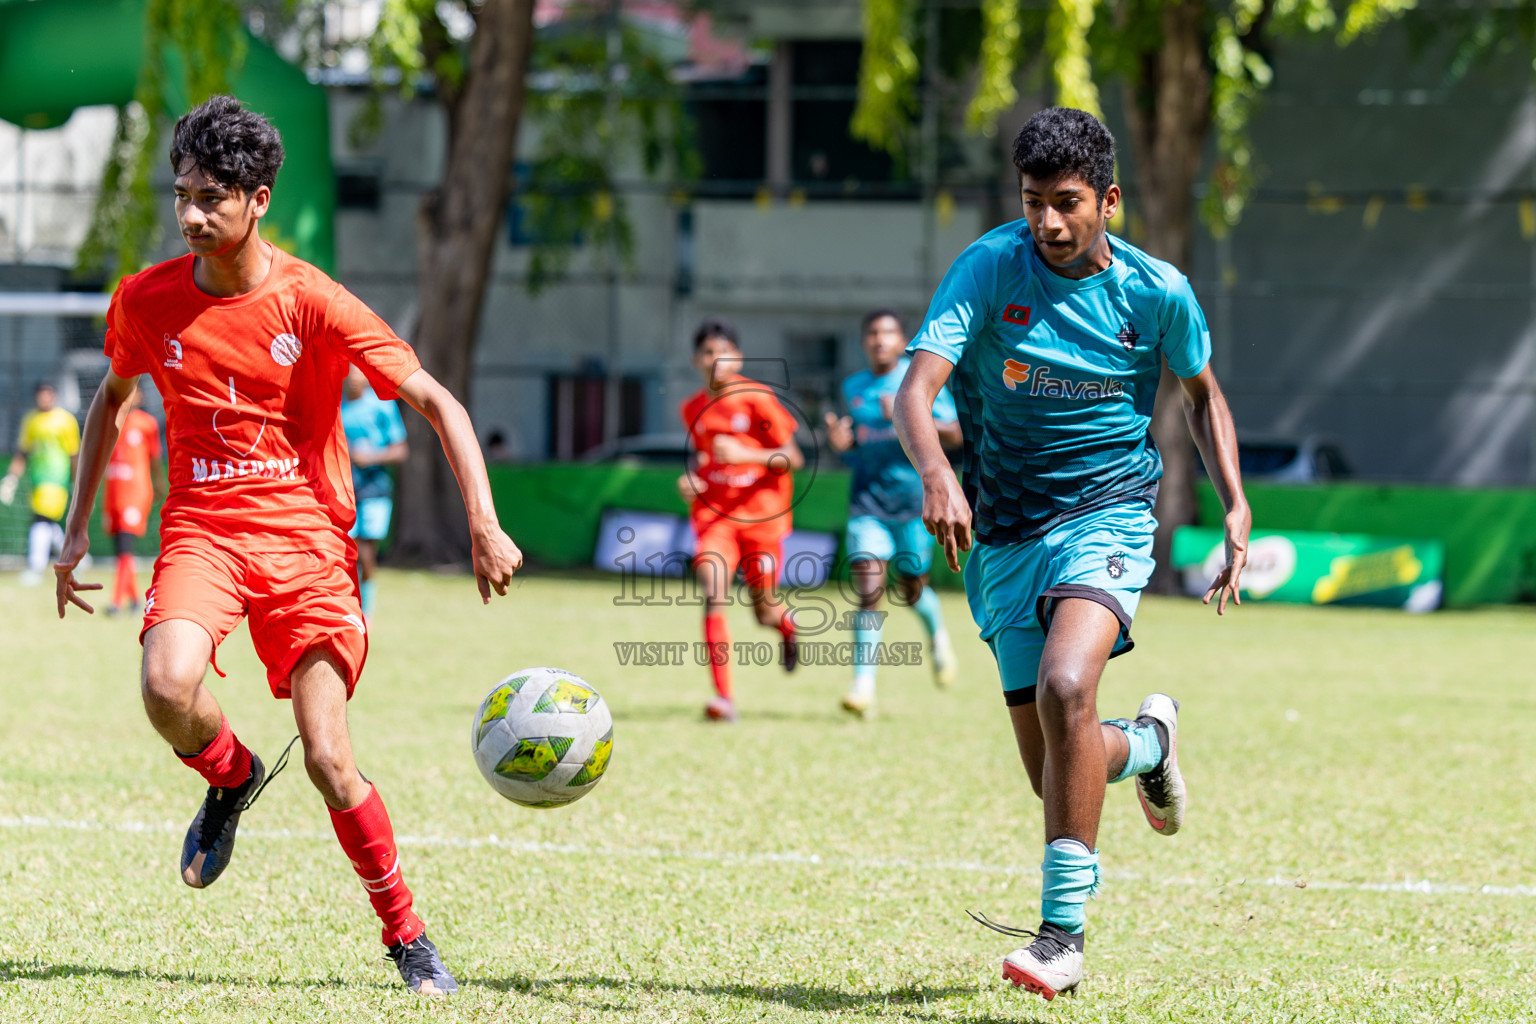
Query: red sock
{"x": 225, "y": 762}
{"x": 716, "y": 632}
{"x": 125, "y": 589}
{"x": 369, "y": 841}
{"x": 787, "y": 627}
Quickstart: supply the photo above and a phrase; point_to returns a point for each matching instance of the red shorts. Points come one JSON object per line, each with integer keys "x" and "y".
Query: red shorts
{"x": 128, "y": 519}
{"x": 756, "y": 547}
{"x": 294, "y": 600}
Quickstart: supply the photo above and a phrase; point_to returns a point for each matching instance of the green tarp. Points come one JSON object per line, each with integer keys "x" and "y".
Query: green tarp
{"x": 56, "y": 55}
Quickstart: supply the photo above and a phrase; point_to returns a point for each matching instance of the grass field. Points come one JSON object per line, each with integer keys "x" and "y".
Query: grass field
{"x": 798, "y": 865}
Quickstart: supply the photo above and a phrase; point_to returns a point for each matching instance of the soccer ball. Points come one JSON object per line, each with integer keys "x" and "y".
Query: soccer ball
{"x": 542, "y": 737}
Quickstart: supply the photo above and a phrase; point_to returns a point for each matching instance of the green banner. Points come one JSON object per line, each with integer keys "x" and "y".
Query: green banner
{"x": 1320, "y": 568}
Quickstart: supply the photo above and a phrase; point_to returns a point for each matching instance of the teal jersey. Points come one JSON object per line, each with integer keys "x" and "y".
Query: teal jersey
{"x": 885, "y": 484}
{"x": 1054, "y": 379}
{"x": 371, "y": 423}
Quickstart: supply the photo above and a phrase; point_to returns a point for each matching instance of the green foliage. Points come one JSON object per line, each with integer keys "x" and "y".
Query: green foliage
{"x": 1071, "y": 58}
{"x": 192, "y": 49}
{"x": 590, "y": 128}
{"x": 887, "y": 77}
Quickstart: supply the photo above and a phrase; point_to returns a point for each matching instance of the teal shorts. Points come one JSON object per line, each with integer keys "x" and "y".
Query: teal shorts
{"x": 904, "y": 543}
{"x": 373, "y": 516}
{"x": 1103, "y": 556}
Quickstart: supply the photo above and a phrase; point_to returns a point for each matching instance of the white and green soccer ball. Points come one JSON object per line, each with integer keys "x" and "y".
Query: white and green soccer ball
{"x": 542, "y": 737}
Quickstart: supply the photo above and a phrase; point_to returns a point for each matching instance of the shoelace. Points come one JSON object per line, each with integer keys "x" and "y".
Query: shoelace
{"x": 221, "y": 811}
{"x": 414, "y": 957}
{"x": 1049, "y": 947}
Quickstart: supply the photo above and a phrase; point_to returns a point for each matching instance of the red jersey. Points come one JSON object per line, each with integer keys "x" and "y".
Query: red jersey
{"x": 749, "y": 495}
{"x": 252, "y": 390}
{"x": 128, "y": 480}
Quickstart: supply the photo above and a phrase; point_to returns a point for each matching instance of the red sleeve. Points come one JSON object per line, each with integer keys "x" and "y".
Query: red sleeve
{"x": 363, "y": 338}
{"x": 121, "y": 345}
{"x": 779, "y": 424}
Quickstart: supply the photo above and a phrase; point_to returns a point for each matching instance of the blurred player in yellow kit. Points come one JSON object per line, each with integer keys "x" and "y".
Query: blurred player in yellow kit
{"x": 45, "y": 450}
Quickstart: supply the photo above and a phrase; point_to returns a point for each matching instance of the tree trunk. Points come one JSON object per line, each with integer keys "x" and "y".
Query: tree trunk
{"x": 459, "y": 223}
{"x": 1169, "y": 103}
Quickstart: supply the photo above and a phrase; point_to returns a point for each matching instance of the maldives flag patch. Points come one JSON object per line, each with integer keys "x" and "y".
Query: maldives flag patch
{"x": 1017, "y": 315}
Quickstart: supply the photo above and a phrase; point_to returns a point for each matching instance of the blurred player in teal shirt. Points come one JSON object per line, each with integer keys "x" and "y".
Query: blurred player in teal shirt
{"x": 375, "y": 440}
{"x": 1051, "y": 334}
{"x": 885, "y": 505}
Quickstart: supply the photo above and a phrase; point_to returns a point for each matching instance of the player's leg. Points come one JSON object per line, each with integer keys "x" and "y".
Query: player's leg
{"x": 39, "y": 541}
{"x": 125, "y": 590}
{"x": 714, "y": 566}
{"x": 867, "y": 574}
{"x": 914, "y": 559}
{"x": 319, "y": 689}
{"x": 184, "y": 712}
{"x": 367, "y": 560}
{"x": 761, "y": 557}
{"x": 1063, "y": 746}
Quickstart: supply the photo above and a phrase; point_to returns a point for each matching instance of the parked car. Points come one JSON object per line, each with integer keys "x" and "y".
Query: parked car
{"x": 666, "y": 449}
{"x": 1297, "y": 461}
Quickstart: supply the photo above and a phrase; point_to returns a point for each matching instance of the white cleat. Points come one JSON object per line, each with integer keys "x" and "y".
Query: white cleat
{"x": 1048, "y": 966}
{"x": 1161, "y": 790}
{"x": 943, "y": 661}
{"x": 857, "y": 702}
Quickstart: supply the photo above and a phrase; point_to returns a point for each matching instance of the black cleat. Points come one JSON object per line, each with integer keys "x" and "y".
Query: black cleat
{"x": 210, "y": 841}
{"x": 791, "y": 652}
{"x": 421, "y": 967}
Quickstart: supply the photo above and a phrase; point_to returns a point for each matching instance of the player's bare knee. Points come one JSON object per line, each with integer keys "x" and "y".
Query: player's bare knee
{"x": 170, "y": 686}
{"x": 1068, "y": 694}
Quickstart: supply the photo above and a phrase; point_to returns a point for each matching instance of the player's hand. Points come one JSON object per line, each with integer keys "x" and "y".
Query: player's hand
{"x": 839, "y": 432}
{"x": 731, "y": 451}
{"x": 68, "y": 588}
{"x": 888, "y": 408}
{"x": 1228, "y": 582}
{"x": 946, "y": 514}
{"x": 8, "y": 488}
{"x": 689, "y": 486}
{"x": 495, "y": 558}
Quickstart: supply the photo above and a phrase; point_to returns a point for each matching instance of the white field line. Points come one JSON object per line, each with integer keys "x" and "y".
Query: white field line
{"x": 1421, "y": 887}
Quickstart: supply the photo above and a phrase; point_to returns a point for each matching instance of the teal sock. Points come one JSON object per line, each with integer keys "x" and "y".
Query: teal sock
{"x": 864, "y": 653}
{"x": 1146, "y": 747}
{"x": 929, "y": 610}
{"x": 1071, "y": 876}
{"x": 367, "y": 594}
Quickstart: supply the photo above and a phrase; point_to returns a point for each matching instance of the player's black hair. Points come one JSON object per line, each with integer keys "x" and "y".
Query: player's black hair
{"x": 880, "y": 314}
{"x": 44, "y": 385}
{"x": 1063, "y": 141}
{"x": 234, "y": 146}
{"x": 714, "y": 327}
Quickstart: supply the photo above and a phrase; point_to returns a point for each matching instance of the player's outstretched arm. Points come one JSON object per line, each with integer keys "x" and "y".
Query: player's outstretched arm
{"x": 1210, "y": 421}
{"x": 946, "y": 514}
{"x": 95, "y": 449}
{"x": 495, "y": 557}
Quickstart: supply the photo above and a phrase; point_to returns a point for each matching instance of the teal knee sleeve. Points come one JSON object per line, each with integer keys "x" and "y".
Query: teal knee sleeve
{"x": 929, "y": 610}
{"x": 1146, "y": 750}
{"x": 1071, "y": 876}
{"x": 367, "y": 596}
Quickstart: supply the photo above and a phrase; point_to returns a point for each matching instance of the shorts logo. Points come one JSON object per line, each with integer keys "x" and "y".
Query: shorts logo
{"x": 172, "y": 351}
{"x": 356, "y": 623}
{"x": 286, "y": 349}
{"x": 1116, "y": 565}
{"x": 1127, "y": 336}
{"x": 1016, "y": 314}
{"x": 1014, "y": 373}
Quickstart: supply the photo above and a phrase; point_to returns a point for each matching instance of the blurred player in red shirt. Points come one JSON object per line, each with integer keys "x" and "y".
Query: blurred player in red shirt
{"x": 135, "y": 477}
{"x": 739, "y": 489}
{"x": 248, "y": 347}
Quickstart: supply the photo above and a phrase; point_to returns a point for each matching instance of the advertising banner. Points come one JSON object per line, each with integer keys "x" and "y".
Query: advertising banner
{"x": 1320, "y": 568}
